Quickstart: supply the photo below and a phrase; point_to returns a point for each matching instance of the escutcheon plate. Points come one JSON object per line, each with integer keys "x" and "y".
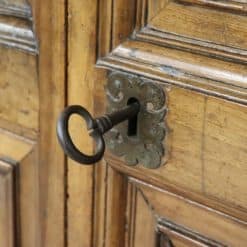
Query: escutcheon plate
{"x": 146, "y": 147}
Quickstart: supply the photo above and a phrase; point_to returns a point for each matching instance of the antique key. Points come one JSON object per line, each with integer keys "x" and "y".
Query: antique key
{"x": 96, "y": 127}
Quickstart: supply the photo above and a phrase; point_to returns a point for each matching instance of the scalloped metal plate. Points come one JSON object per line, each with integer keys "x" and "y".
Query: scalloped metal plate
{"x": 146, "y": 147}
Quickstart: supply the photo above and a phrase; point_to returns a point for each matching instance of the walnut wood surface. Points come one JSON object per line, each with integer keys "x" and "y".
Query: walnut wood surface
{"x": 206, "y": 226}
{"x": 190, "y": 49}
{"x": 82, "y": 76}
{"x": 205, "y": 24}
{"x": 18, "y": 78}
{"x": 19, "y": 183}
{"x": 32, "y": 94}
{"x": 50, "y": 26}
{"x": 196, "y": 50}
{"x": 19, "y": 126}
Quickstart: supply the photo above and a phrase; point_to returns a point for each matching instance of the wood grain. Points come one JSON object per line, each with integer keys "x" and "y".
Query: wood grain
{"x": 223, "y": 229}
{"x": 7, "y": 205}
{"x": 208, "y": 75}
{"x": 177, "y": 239}
{"x": 23, "y": 189}
{"x": 50, "y": 24}
{"x": 82, "y": 76}
{"x": 100, "y": 195}
{"x": 123, "y": 21}
{"x": 145, "y": 235}
{"x": 26, "y": 81}
{"x": 14, "y": 147}
{"x": 100, "y": 176}
{"x": 204, "y": 76}
{"x": 203, "y": 24}
{"x": 104, "y": 34}
{"x": 198, "y": 54}
{"x": 28, "y": 204}
{"x": 205, "y": 136}
{"x": 154, "y": 7}
{"x": 19, "y": 102}
{"x": 116, "y": 207}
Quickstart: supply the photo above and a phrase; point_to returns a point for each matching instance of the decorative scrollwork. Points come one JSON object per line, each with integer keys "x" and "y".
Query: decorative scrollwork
{"x": 146, "y": 147}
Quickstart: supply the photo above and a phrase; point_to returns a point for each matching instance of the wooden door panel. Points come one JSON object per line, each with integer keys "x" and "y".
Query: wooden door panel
{"x": 205, "y": 149}
{"x": 182, "y": 221}
{"x": 195, "y": 50}
{"x": 19, "y": 126}
{"x": 19, "y": 88}
{"x": 202, "y": 24}
{"x": 19, "y": 101}
{"x": 214, "y": 67}
{"x": 19, "y": 191}
{"x": 140, "y": 214}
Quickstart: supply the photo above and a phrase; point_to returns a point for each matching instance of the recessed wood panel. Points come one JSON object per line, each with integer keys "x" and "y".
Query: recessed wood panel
{"x": 204, "y": 24}
{"x": 184, "y": 222}
{"x": 196, "y": 50}
{"x": 19, "y": 190}
{"x": 208, "y": 140}
{"x": 19, "y": 102}
{"x": 206, "y": 147}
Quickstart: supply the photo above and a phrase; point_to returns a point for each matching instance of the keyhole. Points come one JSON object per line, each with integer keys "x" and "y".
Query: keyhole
{"x": 132, "y": 124}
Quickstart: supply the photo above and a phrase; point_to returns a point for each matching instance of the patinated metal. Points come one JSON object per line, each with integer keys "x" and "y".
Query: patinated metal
{"x": 146, "y": 147}
{"x": 96, "y": 127}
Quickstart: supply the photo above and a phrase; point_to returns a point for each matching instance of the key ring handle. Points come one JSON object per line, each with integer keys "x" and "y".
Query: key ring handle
{"x": 65, "y": 139}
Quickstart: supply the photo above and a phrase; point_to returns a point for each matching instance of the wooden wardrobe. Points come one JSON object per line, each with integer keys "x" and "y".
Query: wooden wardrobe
{"x": 56, "y": 53}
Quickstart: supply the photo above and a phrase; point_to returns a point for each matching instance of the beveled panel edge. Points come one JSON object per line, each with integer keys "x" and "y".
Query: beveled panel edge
{"x": 17, "y": 165}
{"x": 17, "y": 147}
{"x": 171, "y": 76}
{"x": 233, "y": 5}
{"x": 108, "y": 59}
{"x": 136, "y": 176}
{"x": 167, "y": 227}
{"x": 147, "y": 33}
{"x": 6, "y": 167}
{"x": 151, "y": 35}
{"x": 213, "y": 214}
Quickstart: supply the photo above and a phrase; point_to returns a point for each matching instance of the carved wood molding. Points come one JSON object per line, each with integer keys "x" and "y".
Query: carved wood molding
{"x": 233, "y": 5}
{"x": 123, "y": 59}
{"x": 16, "y": 27}
{"x": 15, "y": 9}
{"x": 166, "y": 39}
{"x": 18, "y": 192}
{"x": 168, "y": 230}
{"x": 130, "y": 46}
{"x": 172, "y": 218}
